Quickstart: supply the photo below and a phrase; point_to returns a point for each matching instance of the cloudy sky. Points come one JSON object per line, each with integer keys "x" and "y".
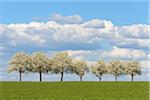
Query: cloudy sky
{"x": 89, "y": 30}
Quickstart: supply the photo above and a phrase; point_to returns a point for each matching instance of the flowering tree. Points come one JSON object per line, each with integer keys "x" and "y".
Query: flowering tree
{"x": 19, "y": 62}
{"x": 49, "y": 68}
{"x": 115, "y": 68}
{"x": 99, "y": 69}
{"x": 61, "y": 63}
{"x": 79, "y": 67}
{"x": 133, "y": 68}
{"x": 40, "y": 63}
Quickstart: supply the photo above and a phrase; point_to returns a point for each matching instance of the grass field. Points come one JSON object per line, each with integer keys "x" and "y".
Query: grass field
{"x": 74, "y": 91}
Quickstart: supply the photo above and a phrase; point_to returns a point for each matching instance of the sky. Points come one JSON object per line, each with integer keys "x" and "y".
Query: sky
{"x": 89, "y": 30}
{"x": 122, "y": 13}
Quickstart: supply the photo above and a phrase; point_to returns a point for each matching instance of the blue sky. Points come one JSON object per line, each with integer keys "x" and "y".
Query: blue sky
{"x": 90, "y": 30}
{"x": 120, "y": 13}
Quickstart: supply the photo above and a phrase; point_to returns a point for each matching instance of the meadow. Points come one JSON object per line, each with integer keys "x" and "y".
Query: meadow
{"x": 74, "y": 90}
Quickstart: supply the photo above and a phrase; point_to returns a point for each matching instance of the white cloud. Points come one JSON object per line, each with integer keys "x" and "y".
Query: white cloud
{"x": 115, "y": 53}
{"x": 135, "y": 31}
{"x": 145, "y": 64}
{"x": 131, "y": 39}
{"x": 16, "y": 33}
{"x": 96, "y": 23}
{"x": 79, "y": 54}
{"x": 133, "y": 42}
{"x": 124, "y": 53}
{"x": 74, "y": 19}
{"x": 90, "y": 32}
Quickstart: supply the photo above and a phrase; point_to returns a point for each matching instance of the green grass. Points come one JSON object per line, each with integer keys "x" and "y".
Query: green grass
{"x": 74, "y": 91}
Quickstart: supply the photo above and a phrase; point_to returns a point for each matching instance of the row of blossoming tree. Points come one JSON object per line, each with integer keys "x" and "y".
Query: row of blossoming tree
{"x": 61, "y": 63}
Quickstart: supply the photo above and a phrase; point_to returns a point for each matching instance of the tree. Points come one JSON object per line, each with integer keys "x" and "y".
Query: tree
{"x": 40, "y": 63}
{"x": 61, "y": 63}
{"x": 49, "y": 67}
{"x": 99, "y": 69}
{"x": 133, "y": 68}
{"x": 19, "y": 62}
{"x": 79, "y": 67}
{"x": 115, "y": 68}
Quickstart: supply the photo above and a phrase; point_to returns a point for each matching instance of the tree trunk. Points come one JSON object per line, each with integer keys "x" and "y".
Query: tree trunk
{"x": 116, "y": 78}
{"x": 20, "y": 76}
{"x": 132, "y": 77}
{"x": 62, "y": 74}
{"x": 40, "y": 73}
{"x": 100, "y": 78}
{"x": 80, "y": 78}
